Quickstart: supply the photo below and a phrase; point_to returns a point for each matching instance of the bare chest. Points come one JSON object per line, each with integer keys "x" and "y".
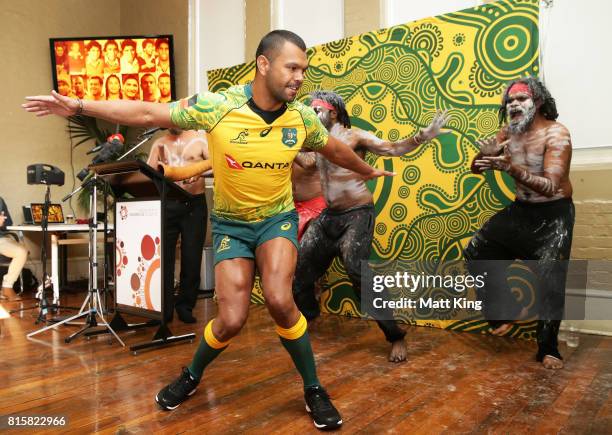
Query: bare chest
{"x": 528, "y": 151}
{"x": 183, "y": 153}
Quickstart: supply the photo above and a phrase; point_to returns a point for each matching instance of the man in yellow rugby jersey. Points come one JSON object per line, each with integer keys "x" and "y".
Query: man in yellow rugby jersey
{"x": 255, "y": 132}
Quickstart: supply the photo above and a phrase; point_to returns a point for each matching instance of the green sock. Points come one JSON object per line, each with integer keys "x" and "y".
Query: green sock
{"x": 207, "y": 351}
{"x": 297, "y": 342}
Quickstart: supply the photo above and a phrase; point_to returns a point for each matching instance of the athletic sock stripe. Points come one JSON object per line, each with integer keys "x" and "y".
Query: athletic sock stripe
{"x": 296, "y": 331}
{"x": 210, "y": 338}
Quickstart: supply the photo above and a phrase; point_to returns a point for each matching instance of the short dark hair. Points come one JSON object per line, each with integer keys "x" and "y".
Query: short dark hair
{"x": 128, "y": 42}
{"x": 111, "y": 42}
{"x": 145, "y": 75}
{"x": 539, "y": 93}
{"x": 160, "y": 41}
{"x": 273, "y": 41}
{"x": 126, "y": 77}
{"x": 91, "y": 44}
{"x": 338, "y": 103}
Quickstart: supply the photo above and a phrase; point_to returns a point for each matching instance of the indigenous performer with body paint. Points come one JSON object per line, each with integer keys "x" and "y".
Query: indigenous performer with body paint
{"x": 345, "y": 228}
{"x": 179, "y": 148}
{"x": 255, "y": 132}
{"x": 307, "y": 193}
{"x": 536, "y": 151}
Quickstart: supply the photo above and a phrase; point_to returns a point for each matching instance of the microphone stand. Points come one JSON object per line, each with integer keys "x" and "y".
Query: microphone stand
{"x": 145, "y": 138}
{"x": 92, "y": 306}
{"x": 93, "y": 302}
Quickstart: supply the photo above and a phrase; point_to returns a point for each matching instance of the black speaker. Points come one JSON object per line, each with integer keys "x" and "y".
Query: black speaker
{"x": 41, "y": 173}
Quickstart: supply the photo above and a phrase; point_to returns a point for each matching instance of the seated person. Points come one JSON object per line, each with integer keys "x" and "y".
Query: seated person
{"x": 11, "y": 248}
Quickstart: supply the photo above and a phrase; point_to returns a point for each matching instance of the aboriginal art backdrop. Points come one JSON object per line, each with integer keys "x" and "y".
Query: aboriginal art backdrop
{"x": 393, "y": 81}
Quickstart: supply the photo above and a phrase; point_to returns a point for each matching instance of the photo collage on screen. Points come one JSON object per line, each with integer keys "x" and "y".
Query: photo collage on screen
{"x": 113, "y": 69}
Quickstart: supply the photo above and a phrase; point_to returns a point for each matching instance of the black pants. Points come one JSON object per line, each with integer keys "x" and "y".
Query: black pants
{"x": 541, "y": 234}
{"x": 187, "y": 219}
{"x": 347, "y": 234}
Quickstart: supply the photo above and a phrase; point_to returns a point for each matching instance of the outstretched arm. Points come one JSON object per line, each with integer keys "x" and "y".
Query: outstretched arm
{"x": 341, "y": 154}
{"x": 385, "y": 148}
{"x": 178, "y": 173}
{"x": 132, "y": 113}
{"x": 557, "y": 157}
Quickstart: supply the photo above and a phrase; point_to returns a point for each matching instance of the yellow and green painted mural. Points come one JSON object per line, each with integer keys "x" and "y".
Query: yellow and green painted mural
{"x": 393, "y": 81}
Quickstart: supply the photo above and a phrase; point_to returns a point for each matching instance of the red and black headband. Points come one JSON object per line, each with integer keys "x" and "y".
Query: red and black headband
{"x": 322, "y": 103}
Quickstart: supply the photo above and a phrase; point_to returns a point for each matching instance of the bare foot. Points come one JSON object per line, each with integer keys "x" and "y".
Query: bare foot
{"x": 399, "y": 351}
{"x": 501, "y": 330}
{"x": 550, "y": 362}
{"x": 10, "y": 294}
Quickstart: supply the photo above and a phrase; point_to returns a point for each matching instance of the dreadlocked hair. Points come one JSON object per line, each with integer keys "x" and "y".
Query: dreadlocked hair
{"x": 548, "y": 109}
{"x": 336, "y": 101}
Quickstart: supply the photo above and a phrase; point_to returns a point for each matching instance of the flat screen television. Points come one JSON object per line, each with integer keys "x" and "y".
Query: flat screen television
{"x": 114, "y": 67}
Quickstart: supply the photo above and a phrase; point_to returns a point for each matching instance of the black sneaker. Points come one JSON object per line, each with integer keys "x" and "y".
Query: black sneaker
{"x": 320, "y": 408}
{"x": 171, "y": 396}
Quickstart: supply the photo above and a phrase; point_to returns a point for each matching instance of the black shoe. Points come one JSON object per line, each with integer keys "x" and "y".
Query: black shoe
{"x": 171, "y": 396}
{"x": 320, "y": 408}
{"x": 185, "y": 316}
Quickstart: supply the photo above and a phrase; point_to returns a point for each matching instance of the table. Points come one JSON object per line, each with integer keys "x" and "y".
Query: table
{"x": 58, "y": 233}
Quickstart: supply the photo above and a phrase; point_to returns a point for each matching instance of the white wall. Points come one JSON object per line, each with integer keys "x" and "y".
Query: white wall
{"x": 217, "y": 35}
{"x": 577, "y": 64}
{"x": 403, "y": 11}
{"x": 576, "y": 58}
{"x": 316, "y": 21}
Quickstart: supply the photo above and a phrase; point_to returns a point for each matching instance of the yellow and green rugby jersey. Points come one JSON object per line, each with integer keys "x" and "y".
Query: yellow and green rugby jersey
{"x": 251, "y": 157}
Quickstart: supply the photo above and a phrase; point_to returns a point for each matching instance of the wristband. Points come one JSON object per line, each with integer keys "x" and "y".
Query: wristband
{"x": 79, "y": 110}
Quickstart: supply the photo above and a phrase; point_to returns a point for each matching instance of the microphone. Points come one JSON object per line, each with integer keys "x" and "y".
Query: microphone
{"x": 109, "y": 150}
{"x": 153, "y": 130}
{"x": 111, "y": 138}
{"x": 95, "y": 149}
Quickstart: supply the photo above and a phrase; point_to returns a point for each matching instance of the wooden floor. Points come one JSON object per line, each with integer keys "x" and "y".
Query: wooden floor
{"x": 451, "y": 383}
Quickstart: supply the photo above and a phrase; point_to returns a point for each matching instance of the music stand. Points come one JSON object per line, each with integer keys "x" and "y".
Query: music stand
{"x": 139, "y": 226}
